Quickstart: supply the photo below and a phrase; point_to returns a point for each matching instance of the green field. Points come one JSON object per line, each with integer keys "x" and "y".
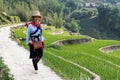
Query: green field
{"x": 87, "y": 55}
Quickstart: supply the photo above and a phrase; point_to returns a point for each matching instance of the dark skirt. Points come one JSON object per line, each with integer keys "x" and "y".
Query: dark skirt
{"x": 35, "y": 53}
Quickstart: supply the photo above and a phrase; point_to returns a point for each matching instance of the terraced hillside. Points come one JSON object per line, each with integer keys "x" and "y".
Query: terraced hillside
{"x": 76, "y": 61}
{"x": 7, "y": 19}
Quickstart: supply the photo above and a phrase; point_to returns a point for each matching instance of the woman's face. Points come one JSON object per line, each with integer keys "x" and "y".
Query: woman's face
{"x": 36, "y": 19}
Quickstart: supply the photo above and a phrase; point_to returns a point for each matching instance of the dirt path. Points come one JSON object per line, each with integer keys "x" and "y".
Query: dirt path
{"x": 17, "y": 60}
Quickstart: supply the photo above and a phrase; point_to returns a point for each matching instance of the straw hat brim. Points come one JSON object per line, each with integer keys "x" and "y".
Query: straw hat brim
{"x": 41, "y": 17}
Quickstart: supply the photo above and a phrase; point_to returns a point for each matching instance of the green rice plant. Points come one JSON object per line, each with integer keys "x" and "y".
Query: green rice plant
{"x": 115, "y": 54}
{"x": 100, "y": 67}
{"x": 64, "y": 69}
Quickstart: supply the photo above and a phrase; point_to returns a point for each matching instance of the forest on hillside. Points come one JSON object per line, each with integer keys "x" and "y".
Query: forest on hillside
{"x": 71, "y": 14}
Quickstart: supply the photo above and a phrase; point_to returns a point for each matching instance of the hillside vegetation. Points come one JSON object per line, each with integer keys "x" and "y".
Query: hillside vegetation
{"x": 104, "y": 15}
{"x": 4, "y": 72}
{"x": 7, "y": 19}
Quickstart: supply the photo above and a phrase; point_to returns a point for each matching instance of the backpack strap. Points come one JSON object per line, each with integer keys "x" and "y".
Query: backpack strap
{"x": 35, "y": 31}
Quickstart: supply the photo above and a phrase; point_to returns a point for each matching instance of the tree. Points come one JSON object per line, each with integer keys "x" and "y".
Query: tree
{"x": 71, "y": 4}
{"x": 109, "y": 17}
{"x": 1, "y": 5}
{"x": 72, "y": 26}
{"x": 83, "y": 14}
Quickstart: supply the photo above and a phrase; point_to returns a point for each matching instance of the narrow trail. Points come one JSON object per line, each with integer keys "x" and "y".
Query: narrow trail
{"x": 17, "y": 60}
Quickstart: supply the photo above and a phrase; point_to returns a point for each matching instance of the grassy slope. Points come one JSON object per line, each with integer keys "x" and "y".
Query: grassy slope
{"x": 4, "y": 71}
{"x": 87, "y": 55}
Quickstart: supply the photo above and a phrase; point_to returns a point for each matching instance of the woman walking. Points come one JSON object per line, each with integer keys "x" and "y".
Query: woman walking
{"x": 35, "y": 39}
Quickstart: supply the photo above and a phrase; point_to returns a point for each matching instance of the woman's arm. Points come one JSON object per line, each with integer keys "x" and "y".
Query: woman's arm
{"x": 28, "y": 34}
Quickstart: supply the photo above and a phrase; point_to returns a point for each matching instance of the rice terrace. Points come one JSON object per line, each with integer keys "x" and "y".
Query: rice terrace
{"x": 83, "y": 61}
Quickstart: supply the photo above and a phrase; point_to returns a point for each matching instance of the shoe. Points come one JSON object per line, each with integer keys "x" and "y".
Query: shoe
{"x": 36, "y": 71}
